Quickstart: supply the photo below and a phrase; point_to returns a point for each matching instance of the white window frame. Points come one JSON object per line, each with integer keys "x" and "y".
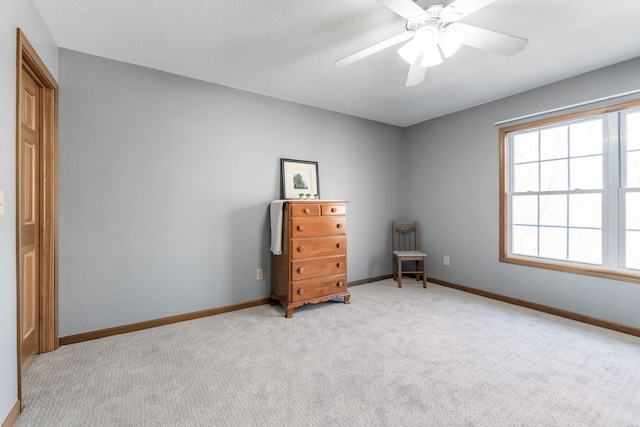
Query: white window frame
{"x": 613, "y": 194}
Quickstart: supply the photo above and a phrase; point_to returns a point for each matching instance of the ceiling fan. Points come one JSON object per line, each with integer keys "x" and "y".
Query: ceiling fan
{"x": 434, "y": 32}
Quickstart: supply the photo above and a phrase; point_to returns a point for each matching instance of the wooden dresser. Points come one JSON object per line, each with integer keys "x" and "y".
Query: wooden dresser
{"x": 313, "y": 264}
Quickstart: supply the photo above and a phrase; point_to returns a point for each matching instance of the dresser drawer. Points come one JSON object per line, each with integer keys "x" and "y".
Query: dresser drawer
{"x": 305, "y": 209}
{"x": 318, "y": 226}
{"x": 310, "y": 268}
{"x": 320, "y": 287}
{"x": 329, "y": 209}
{"x": 318, "y": 247}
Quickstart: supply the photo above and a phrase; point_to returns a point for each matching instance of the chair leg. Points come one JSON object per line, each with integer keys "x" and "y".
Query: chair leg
{"x": 416, "y": 269}
{"x": 424, "y": 273}
{"x": 399, "y": 272}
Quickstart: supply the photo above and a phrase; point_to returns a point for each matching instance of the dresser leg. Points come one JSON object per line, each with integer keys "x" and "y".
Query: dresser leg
{"x": 346, "y": 299}
{"x": 289, "y": 312}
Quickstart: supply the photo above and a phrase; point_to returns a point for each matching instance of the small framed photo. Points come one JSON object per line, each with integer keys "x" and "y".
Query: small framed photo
{"x": 299, "y": 177}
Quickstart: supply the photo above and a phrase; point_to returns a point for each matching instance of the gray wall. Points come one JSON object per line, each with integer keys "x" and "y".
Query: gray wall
{"x": 453, "y": 173}
{"x": 165, "y": 183}
{"x": 13, "y": 14}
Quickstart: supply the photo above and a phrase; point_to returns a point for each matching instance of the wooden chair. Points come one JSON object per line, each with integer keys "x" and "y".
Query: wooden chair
{"x": 406, "y": 247}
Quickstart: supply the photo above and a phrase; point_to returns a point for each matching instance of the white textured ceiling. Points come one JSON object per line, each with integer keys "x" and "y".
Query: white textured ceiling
{"x": 287, "y": 48}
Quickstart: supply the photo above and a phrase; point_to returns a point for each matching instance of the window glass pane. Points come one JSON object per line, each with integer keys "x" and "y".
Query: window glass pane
{"x": 525, "y": 147}
{"x": 586, "y": 173}
{"x": 554, "y": 143}
{"x": 553, "y": 175}
{"x": 585, "y": 245}
{"x": 633, "y": 169}
{"x": 632, "y": 250}
{"x": 525, "y": 210}
{"x": 525, "y": 240}
{"x": 585, "y": 210}
{"x": 633, "y": 131}
{"x": 525, "y": 177}
{"x": 586, "y": 138}
{"x": 553, "y": 242}
{"x": 632, "y": 211}
{"x": 553, "y": 210}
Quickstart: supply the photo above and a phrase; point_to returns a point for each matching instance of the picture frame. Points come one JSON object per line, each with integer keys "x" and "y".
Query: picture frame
{"x": 299, "y": 176}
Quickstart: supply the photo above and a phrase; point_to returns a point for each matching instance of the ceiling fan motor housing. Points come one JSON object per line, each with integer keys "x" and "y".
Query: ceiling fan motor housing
{"x": 430, "y": 16}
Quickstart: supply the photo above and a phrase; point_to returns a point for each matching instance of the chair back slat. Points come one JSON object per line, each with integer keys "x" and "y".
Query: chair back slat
{"x": 405, "y": 237}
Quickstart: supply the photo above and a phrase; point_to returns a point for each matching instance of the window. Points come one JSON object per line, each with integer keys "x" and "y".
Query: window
{"x": 570, "y": 192}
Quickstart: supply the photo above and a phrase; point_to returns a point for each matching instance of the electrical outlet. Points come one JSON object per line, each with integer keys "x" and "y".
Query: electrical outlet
{"x": 259, "y": 274}
{"x": 445, "y": 260}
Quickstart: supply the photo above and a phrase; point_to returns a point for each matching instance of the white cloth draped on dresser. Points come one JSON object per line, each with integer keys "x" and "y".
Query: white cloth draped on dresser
{"x": 276, "y": 226}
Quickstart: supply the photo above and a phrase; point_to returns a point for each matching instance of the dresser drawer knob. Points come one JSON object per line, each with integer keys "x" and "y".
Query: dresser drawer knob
{"x": 340, "y": 284}
{"x": 301, "y": 270}
{"x": 334, "y": 210}
{"x": 339, "y": 265}
{"x": 300, "y": 227}
{"x": 300, "y": 291}
{"x": 301, "y": 248}
{"x": 307, "y": 210}
{"x": 339, "y": 245}
{"x": 339, "y": 225}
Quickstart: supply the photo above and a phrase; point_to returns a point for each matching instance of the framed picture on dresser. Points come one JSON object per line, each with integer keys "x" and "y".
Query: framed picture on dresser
{"x": 299, "y": 177}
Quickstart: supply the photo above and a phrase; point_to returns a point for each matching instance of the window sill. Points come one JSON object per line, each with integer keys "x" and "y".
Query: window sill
{"x": 588, "y": 270}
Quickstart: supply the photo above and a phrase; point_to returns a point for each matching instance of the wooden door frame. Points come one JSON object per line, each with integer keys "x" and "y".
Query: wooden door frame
{"x": 28, "y": 59}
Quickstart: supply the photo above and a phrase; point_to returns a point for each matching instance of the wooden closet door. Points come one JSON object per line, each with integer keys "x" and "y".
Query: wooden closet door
{"x": 28, "y": 217}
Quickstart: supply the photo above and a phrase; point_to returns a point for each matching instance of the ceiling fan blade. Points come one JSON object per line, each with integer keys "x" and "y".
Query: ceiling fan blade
{"x": 416, "y": 74}
{"x": 374, "y": 48}
{"x": 405, "y": 8}
{"x": 493, "y": 41}
{"x": 467, "y": 7}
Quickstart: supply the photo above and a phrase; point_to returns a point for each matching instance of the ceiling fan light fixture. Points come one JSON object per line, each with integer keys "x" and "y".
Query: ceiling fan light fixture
{"x": 450, "y": 40}
{"x": 431, "y": 58}
{"x": 424, "y": 40}
{"x": 409, "y": 52}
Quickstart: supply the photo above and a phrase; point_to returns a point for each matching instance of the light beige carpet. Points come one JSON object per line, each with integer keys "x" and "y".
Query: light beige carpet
{"x": 393, "y": 357}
